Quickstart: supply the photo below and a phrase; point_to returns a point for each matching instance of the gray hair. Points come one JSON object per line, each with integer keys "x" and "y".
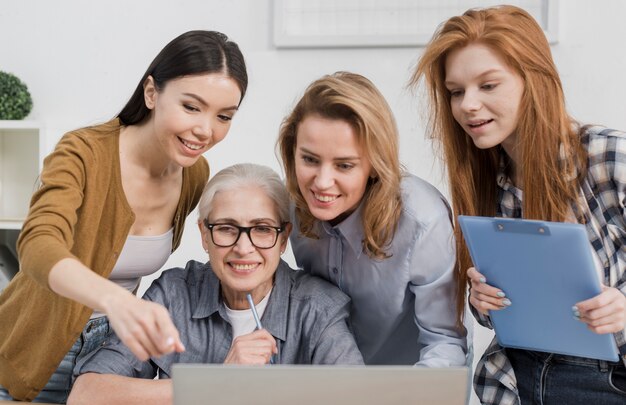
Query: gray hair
{"x": 246, "y": 175}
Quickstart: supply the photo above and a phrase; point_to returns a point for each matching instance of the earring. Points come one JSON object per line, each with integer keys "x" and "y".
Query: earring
{"x": 206, "y": 250}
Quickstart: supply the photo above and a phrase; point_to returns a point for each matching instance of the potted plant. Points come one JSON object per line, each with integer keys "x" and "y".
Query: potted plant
{"x": 15, "y": 100}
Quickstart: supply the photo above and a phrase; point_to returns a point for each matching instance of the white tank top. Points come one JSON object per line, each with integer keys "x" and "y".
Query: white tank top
{"x": 140, "y": 256}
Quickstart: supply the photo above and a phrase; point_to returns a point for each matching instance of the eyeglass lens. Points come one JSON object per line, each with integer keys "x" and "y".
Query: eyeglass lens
{"x": 261, "y": 236}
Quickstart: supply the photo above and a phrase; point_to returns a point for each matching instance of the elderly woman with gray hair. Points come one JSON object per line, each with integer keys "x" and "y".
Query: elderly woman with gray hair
{"x": 244, "y": 222}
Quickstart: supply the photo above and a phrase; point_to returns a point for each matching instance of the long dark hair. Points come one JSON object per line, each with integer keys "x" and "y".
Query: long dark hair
{"x": 194, "y": 52}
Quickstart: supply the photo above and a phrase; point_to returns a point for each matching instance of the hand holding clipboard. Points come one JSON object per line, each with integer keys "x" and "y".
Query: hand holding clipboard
{"x": 546, "y": 272}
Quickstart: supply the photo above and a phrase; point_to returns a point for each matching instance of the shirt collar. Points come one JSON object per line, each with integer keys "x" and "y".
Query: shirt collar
{"x": 574, "y": 170}
{"x": 274, "y": 318}
{"x": 351, "y": 229}
{"x": 208, "y": 293}
{"x": 502, "y": 178}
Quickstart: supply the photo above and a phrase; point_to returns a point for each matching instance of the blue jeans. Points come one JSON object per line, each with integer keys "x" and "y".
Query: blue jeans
{"x": 548, "y": 378}
{"x": 58, "y": 387}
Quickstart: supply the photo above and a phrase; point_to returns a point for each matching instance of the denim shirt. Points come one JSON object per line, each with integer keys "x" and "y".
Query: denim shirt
{"x": 403, "y": 307}
{"x": 307, "y": 316}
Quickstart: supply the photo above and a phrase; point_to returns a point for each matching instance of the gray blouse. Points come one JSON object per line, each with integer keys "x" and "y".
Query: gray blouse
{"x": 307, "y": 316}
{"x": 403, "y": 307}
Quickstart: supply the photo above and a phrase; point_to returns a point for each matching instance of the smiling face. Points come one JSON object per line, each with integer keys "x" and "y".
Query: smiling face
{"x": 485, "y": 94}
{"x": 191, "y": 114}
{"x": 332, "y": 169}
{"x": 243, "y": 268}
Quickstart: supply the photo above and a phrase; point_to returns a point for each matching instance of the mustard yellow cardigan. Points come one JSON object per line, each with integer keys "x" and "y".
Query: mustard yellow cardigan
{"x": 79, "y": 211}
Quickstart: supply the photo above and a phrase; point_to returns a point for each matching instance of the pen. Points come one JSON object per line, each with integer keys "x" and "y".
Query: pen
{"x": 257, "y": 320}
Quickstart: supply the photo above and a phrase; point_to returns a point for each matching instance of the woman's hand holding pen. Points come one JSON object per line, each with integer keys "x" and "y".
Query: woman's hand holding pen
{"x": 484, "y": 297}
{"x": 254, "y": 348}
{"x": 143, "y": 326}
{"x": 604, "y": 313}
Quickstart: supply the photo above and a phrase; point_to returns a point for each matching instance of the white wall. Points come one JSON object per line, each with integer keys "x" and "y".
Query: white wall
{"x": 82, "y": 59}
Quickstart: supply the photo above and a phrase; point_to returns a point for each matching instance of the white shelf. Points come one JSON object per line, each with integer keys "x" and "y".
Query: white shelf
{"x": 20, "y": 165}
{"x": 6, "y": 223}
{"x": 22, "y": 124}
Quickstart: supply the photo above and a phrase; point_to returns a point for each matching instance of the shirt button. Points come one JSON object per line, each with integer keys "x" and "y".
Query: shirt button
{"x": 335, "y": 270}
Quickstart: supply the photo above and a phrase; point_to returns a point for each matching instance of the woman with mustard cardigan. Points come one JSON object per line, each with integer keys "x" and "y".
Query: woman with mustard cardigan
{"x": 111, "y": 208}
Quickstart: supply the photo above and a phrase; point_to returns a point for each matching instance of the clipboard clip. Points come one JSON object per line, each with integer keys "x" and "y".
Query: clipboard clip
{"x": 518, "y": 226}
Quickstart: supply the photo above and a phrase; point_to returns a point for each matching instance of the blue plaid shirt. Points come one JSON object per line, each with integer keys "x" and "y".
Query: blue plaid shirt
{"x": 604, "y": 192}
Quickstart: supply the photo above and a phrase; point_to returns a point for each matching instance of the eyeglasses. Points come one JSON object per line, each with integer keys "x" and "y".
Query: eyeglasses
{"x": 227, "y": 235}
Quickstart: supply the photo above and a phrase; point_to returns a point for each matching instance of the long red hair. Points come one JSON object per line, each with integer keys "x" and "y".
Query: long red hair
{"x": 549, "y": 144}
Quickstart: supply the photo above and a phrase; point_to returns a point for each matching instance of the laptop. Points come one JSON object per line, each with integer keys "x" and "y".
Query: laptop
{"x": 304, "y": 385}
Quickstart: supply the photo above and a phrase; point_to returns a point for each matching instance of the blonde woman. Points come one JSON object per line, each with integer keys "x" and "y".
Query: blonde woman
{"x": 383, "y": 236}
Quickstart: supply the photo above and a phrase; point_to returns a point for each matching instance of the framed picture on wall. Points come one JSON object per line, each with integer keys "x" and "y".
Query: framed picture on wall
{"x": 382, "y": 23}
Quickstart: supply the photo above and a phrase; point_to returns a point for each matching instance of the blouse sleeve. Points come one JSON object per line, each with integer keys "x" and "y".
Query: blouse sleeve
{"x": 432, "y": 265}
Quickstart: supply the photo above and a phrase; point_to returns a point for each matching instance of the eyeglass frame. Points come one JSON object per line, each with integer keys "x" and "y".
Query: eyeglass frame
{"x": 246, "y": 230}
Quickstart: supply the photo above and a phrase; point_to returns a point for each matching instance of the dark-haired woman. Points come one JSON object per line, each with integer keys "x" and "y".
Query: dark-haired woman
{"x": 111, "y": 209}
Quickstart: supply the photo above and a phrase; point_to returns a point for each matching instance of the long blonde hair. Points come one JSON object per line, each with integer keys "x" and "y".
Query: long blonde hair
{"x": 549, "y": 143}
{"x": 352, "y": 98}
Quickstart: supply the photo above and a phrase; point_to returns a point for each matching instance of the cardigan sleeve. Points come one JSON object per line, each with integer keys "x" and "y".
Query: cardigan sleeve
{"x": 47, "y": 235}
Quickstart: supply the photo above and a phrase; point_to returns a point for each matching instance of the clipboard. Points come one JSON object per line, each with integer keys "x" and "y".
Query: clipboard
{"x": 544, "y": 268}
